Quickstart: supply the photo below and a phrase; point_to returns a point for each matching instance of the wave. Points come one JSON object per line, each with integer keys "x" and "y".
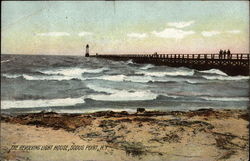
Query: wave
{"x": 142, "y": 79}
{"x": 72, "y": 71}
{"x": 44, "y": 77}
{"x": 101, "y": 89}
{"x": 214, "y": 71}
{"x": 121, "y": 78}
{"x": 57, "y": 74}
{"x": 7, "y": 104}
{"x": 192, "y": 82}
{"x": 162, "y": 74}
{"x": 116, "y": 78}
{"x": 129, "y": 62}
{"x": 148, "y": 66}
{"x": 226, "y": 77}
{"x": 139, "y": 79}
{"x": 54, "y": 77}
{"x": 120, "y": 95}
{"x": 232, "y": 99}
{"x": 5, "y": 61}
{"x": 12, "y": 76}
{"x": 124, "y": 95}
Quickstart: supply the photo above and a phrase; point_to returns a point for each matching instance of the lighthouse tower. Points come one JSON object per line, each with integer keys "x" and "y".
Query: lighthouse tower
{"x": 87, "y": 51}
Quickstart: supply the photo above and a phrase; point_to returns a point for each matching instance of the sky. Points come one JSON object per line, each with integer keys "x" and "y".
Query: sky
{"x": 124, "y": 27}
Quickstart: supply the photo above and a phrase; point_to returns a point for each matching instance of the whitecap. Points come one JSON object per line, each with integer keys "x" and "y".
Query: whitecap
{"x": 98, "y": 70}
{"x": 41, "y": 77}
{"x": 53, "y": 77}
{"x": 148, "y": 66}
{"x": 57, "y": 74}
{"x": 72, "y": 72}
{"x": 139, "y": 79}
{"x": 238, "y": 99}
{"x": 5, "y": 61}
{"x": 7, "y": 104}
{"x": 214, "y": 71}
{"x": 191, "y": 81}
{"x": 64, "y": 71}
{"x": 119, "y": 95}
{"x": 101, "y": 89}
{"x": 124, "y": 95}
{"x": 226, "y": 77}
{"x": 116, "y": 78}
{"x": 172, "y": 73}
{"x": 121, "y": 78}
{"x": 12, "y": 76}
{"x": 129, "y": 62}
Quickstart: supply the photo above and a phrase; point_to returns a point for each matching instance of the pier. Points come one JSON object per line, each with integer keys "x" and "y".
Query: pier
{"x": 236, "y": 64}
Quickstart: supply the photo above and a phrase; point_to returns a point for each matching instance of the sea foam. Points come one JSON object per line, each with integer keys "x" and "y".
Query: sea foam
{"x": 214, "y": 71}
{"x": 220, "y": 77}
{"x": 231, "y": 99}
{"x": 7, "y": 104}
{"x": 172, "y": 73}
{"x": 120, "y": 95}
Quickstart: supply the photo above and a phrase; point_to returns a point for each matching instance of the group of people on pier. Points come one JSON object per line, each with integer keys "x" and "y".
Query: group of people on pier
{"x": 225, "y": 54}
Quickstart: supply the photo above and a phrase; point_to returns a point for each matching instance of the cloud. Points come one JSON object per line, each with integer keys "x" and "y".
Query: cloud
{"x": 173, "y": 33}
{"x": 53, "y": 34}
{"x": 137, "y": 35}
{"x": 84, "y": 33}
{"x": 210, "y": 33}
{"x": 180, "y": 24}
{"x": 233, "y": 31}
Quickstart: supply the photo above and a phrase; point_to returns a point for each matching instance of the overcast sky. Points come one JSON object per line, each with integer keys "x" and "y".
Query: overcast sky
{"x": 124, "y": 27}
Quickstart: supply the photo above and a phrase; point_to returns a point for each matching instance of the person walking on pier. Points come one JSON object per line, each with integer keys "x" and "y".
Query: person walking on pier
{"x": 156, "y": 55}
{"x": 224, "y": 54}
{"x": 228, "y": 54}
{"x": 220, "y": 54}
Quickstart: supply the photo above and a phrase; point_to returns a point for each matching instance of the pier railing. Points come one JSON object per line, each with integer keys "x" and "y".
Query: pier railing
{"x": 232, "y": 64}
{"x": 234, "y": 56}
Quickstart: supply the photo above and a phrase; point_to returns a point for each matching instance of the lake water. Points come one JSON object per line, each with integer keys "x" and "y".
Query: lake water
{"x": 75, "y": 84}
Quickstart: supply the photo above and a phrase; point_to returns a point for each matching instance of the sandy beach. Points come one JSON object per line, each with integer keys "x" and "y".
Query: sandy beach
{"x": 203, "y": 134}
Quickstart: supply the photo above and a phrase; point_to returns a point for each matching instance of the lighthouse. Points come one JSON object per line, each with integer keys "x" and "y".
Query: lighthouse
{"x": 87, "y": 51}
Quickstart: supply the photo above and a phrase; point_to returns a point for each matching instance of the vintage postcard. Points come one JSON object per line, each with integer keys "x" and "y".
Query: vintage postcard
{"x": 125, "y": 81}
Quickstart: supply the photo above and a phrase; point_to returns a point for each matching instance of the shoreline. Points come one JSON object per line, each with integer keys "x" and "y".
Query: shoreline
{"x": 203, "y": 134}
{"x": 117, "y": 110}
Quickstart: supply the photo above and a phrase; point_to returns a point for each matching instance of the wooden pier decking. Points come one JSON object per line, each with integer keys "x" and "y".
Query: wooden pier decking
{"x": 235, "y": 64}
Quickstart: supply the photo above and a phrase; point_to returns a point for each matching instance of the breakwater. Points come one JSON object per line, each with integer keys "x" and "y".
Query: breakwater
{"x": 235, "y": 64}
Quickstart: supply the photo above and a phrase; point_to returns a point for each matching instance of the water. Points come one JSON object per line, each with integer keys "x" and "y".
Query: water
{"x": 75, "y": 84}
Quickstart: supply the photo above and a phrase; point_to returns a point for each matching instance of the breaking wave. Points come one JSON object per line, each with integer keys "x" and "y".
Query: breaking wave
{"x": 5, "y": 61}
{"x": 121, "y": 78}
{"x": 12, "y": 76}
{"x": 148, "y": 66}
{"x": 72, "y": 71}
{"x": 232, "y": 99}
{"x": 114, "y": 78}
{"x": 41, "y": 77}
{"x": 120, "y": 95}
{"x": 101, "y": 89}
{"x": 226, "y": 77}
{"x": 7, "y": 104}
{"x": 129, "y": 62}
{"x": 173, "y": 73}
{"x": 57, "y": 74}
{"x": 124, "y": 95}
{"x": 214, "y": 71}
